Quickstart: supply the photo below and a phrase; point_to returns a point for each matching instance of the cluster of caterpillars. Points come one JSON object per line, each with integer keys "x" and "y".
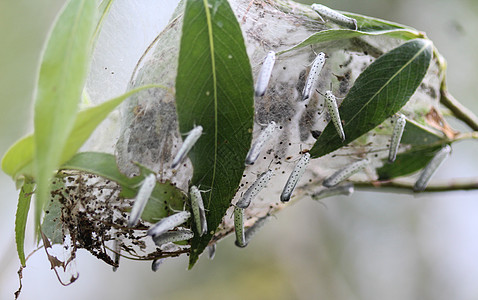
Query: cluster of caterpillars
{"x": 332, "y": 182}
{"x": 162, "y": 232}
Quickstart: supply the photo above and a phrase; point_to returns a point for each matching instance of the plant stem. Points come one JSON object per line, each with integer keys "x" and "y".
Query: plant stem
{"x": 407, "y": 187}
{"x": 466, "y": 136}
{"x": 458, "y": 109}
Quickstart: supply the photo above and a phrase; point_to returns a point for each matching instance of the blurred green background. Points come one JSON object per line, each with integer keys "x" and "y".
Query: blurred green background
{"x": 367, "y": 246}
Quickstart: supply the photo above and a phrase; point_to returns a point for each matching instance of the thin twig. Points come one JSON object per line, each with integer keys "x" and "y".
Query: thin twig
{"x": 20, "y": 272}
{"x": 466, "y": 136}
{"x": 460, "y": 111}
{"x": 407, "y": 187}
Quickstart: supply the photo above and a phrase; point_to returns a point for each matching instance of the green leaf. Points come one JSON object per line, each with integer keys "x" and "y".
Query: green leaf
{"x": 165, "y": 195}
{"x": 408, "y": 162}
{"x": 165, "y": 198}
{"x": 425, "y": 143}
{"x": 371, "y": 24}
{"x": 214, "y": 88}
{"x": 367, "y": 26}
{"x": 63, "y": 71}
{"x": 21, "y": 218}
{"x": 419, "y": 135}
{"x": 104, "y": 165}
{"x": 103, "y": 10}
{"x": 51, "y": 226}
{"x": 19, "y": 158}
{"x": 88, "y": 119}
{"x": 341, "y": 34}
{"x": 379, "y": 92}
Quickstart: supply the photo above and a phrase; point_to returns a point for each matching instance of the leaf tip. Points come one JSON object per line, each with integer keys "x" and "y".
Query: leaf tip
{"x": 193, "y": 259}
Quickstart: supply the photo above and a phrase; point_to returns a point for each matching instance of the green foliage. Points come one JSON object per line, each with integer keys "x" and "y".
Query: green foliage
{"x": 51, "y": 226}
{"x": 379, "y": 92}
{"x": 103, "y": 10}
{"x": 60, "y": 85}
{"x": 214, "y": 89}
{"x": 418, "y": 135}
{"x": 63, "y": 70}
{"x": 371, "y": 24}
{"x": 21, "y": 218}
{"x": 367, "y": 26}
{"x": 19, "y": 158}
{"x": 165, "y": 195}
{"x": 424, "y": 145}
{"x": 408, "y": 162}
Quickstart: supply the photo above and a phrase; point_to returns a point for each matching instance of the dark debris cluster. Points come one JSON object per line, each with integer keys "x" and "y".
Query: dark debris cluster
{"x": 93, "y": 215}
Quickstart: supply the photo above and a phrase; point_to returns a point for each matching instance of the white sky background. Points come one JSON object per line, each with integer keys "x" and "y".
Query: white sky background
{"x": 391, "y": 241}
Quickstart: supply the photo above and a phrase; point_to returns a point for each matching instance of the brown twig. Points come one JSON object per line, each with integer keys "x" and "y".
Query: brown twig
{"x": 407, "y": 187}
{"x": 20, "y": 272}
{"x": 458, "y": 109}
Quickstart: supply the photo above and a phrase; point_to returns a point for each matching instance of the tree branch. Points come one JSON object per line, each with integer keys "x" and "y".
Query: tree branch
{"x": 407, "y": 187}
{"x": 466, "y": 136}
{"x": 458, "y": 109}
